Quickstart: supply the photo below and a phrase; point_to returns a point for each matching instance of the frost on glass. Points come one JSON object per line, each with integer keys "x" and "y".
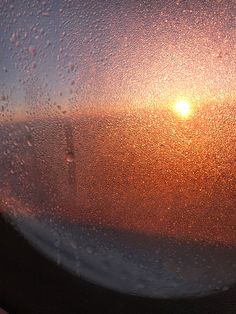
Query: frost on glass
{"x": 117, "y": 134}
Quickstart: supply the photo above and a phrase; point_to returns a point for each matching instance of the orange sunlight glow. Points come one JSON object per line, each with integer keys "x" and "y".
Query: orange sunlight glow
{"x": 182, "y": 108}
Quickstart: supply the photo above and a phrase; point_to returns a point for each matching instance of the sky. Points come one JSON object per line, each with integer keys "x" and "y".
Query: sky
{"x": 102, "y": 55}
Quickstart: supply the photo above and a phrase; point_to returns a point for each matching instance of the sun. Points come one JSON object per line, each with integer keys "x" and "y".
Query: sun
{"x": 182, "y": 108}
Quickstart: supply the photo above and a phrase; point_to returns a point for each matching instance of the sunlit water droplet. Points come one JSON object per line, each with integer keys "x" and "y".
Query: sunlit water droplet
{"x": 29, "y": 143}
{"x": 69, "y": 157}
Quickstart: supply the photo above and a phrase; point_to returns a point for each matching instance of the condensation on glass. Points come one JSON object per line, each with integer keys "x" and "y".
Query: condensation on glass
{"x": 117, "y": 135}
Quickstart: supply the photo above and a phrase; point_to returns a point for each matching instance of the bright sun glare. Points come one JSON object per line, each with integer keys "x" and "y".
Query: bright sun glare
{"x": 182, "y": 108}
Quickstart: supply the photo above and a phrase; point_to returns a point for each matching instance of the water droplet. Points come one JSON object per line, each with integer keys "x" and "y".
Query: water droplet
{"x": 71, "y": 67}
{"x": 29, "y": 143}
{"x": 27, "y": 128}
{"x": 69, "y": 157}
{"x": 32, "y": 51}
{"x": 13, "y": 37}
{"x": 89, "y": 250}
{"x": 48, "y": 43}
{"x": 34, "y": 65}
{"x": 73, "y": 244}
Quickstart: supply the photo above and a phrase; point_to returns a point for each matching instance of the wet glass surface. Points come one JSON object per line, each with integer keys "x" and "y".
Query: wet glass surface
{"x": 117, "y": 134}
